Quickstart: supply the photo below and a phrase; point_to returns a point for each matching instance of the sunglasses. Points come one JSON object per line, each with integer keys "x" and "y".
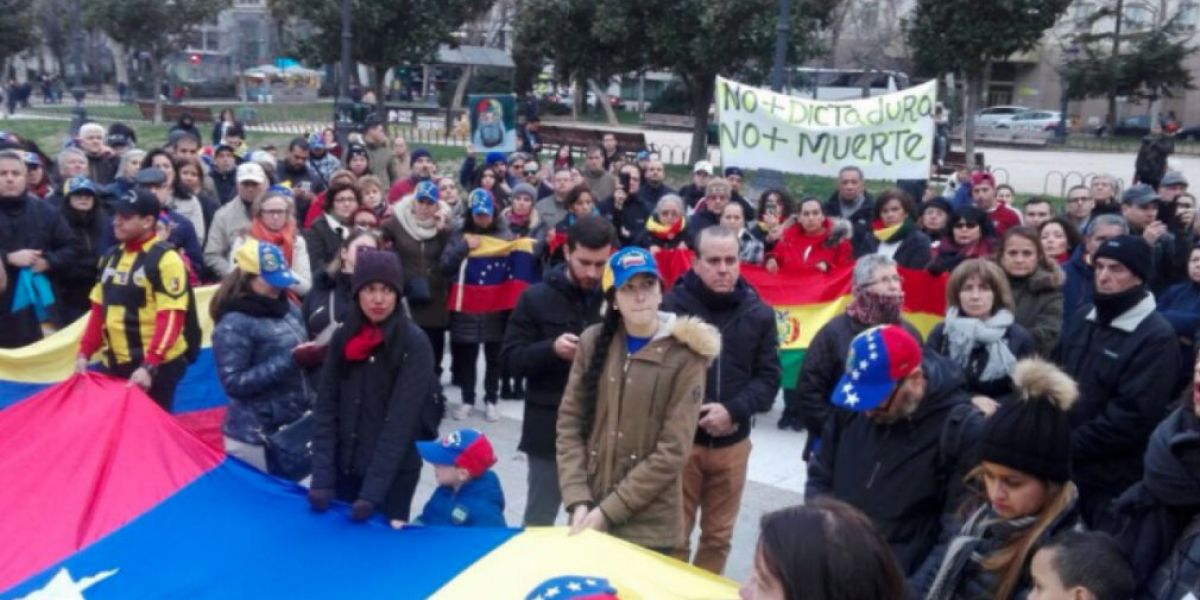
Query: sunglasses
{"x": 966, "y": 225}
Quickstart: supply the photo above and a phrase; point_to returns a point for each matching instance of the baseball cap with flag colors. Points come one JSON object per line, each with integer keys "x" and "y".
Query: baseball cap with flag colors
{"x": 879, "y": 358}
{"x": 266, "y": 261}
{"x": 626, "y": 263}
{"x": 465, "y": 448}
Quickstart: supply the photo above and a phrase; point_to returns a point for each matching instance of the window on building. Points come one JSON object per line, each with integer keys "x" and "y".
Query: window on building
{"x": 1082, "y": 15}
{"x": 1189, "y": 14}
{"x": 1138, "y": 17}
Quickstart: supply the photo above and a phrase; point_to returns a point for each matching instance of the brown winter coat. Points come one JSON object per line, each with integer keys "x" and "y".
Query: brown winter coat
{"x": 421, "y": 259}
{"x": 626, "y": 452}
{"x": 1039, "y": 307}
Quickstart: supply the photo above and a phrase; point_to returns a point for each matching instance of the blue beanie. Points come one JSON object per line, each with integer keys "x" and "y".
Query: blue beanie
{"x": 418, "y": 153}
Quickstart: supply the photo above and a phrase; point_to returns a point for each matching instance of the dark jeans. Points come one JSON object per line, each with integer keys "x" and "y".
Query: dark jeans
{"x": 162, "y": 384}
{"x": 466, "y": 357}
{"x": 396, "y": 504}
{"x": 437, "y": 339}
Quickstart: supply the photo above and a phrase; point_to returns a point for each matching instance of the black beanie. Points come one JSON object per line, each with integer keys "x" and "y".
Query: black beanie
{"x": 1032, "y": 434}
{"x": 1131, "y": 251}
{"x": 377, "y": 265}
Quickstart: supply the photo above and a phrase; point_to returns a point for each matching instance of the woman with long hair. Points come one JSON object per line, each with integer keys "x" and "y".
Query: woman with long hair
{"x": 811, "y": 242}
{"x": 328, "y": 232}
{"x": 181, "y": 200}
{"x": 1036, "y": 282}
{"x": 328, "y": 303}
{"x": 375, "y": 387}
{"x": 1025, "y": 493}
{"x": 316, "y": 208}
{"x": 255, "y": 343}
{"x": 191, "y": 181}
{"x": 894, "y": 232}
{"x": 629, "y": 411}
{"x": 1059, "y": 239}
{"x": 822, "y": 550}
{"x": 273, "y": 220}
{"x": 979, "y": 333}
{"x": 774, "y": 211}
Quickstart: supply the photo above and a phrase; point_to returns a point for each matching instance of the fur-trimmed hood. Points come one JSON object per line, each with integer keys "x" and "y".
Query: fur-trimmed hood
{"x": 700, "y": 337}
{"x": 1037, "y": 379}
{"x": 1044, "y": 279}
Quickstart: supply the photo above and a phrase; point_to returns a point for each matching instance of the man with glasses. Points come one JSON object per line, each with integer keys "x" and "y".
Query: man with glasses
{"x": 1079, "y": 207}
{"x": 233, "y": 218}
{"x": 900, "y": 443}
{"x": 876, "y": 299}
{"x": 743, "y": 381}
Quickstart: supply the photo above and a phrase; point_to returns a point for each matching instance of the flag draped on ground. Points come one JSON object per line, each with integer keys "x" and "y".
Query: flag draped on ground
{"x": 493, "y": 276}
{"x": 805, "y": 302}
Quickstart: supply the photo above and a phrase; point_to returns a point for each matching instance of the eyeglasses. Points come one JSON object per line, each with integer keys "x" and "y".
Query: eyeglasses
{"x": 966, "y": 225}
{"x": 275, "y": 213}
{"x": 1078, "y": 199}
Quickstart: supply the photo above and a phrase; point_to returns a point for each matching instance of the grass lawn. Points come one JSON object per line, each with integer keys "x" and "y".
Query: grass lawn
{"x": 259, "y": 113}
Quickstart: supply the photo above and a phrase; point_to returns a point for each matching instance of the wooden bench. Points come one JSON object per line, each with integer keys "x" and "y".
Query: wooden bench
{"x": 172, "y": 112}
{"x": 663, "y": 121}
{"x": 577, "y": 138}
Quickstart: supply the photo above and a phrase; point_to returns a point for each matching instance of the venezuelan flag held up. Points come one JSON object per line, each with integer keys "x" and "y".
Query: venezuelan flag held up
{"x": 494, "y": 275}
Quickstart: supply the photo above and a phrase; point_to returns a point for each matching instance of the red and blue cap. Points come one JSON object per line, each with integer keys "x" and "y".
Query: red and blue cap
{"x": 879, "y": 358}
{"x": 465, "y": 448}
{"x": 574, "y": 587}
{"x": 629, "y": 261}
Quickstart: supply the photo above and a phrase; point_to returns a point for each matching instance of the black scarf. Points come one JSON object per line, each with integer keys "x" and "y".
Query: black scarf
{"x": 258, "y": 306}
{"x": 1111, "y": 306}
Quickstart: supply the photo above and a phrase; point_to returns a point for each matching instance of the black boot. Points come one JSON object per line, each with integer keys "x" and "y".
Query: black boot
{"x": 518, "y": 391}
{"x": 506, "y": 389}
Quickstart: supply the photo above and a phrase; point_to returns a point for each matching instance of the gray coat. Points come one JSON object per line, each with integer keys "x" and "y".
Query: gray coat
{"x": 1039, "y": 307}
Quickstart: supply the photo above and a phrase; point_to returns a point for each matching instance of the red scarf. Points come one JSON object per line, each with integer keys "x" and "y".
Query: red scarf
{"x": 361, "y": 345}
{"x": 284, "y": 238}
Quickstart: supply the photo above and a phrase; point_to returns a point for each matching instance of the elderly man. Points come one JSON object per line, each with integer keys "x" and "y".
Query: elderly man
{"x": 743, "y": 381}
{"x": 233, "y": 219}
{"x": 1080, "y": 279}
{"x": 1115, "y": 349}
{"x": 717, "y": 195}
{"x": 852, "y": 202}
{"x": 102, "y": 161}
{"x": 1104, "y": 195}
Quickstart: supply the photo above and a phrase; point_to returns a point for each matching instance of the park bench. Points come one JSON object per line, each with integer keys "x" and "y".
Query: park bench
{"x": 579, "y": 138}
{"x": 662, "y": 121}
{"x": 955, "y": 159}
{"x": 172, "y": 112}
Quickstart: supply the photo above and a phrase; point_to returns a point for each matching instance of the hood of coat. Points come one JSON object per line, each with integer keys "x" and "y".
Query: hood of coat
{"x": 1044, "y": 280}
{"x": 944, "y": 384}
{"x": 698, "y": 336}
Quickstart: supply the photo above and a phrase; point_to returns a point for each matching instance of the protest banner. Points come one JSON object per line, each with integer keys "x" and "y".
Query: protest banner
{"x": 888, "y": 136}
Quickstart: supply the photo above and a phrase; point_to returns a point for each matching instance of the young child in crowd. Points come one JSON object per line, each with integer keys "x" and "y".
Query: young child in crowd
{"x": 468, "y": 493}
{"x": 1081, "y": 566}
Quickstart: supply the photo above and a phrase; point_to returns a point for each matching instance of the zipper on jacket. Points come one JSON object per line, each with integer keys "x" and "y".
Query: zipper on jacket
{"x": 874, "y": 474}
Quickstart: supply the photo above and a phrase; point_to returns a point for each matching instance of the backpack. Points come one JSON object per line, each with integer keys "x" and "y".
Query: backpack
{"x": 191, "y": 325}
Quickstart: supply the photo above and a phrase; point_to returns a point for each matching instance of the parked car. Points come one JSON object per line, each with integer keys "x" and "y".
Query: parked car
{"x": 1192, "y": 134}
{"x": 1036, "y": 120}
{"x": 1129, "y": 127}
{"x": 997, "y": 116}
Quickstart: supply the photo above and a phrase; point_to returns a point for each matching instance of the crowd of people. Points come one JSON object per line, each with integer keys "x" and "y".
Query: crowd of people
{"x": 1040, "y": 440}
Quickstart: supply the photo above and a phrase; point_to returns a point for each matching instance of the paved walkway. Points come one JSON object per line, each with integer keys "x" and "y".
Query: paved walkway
{"x": 775, "y": 480}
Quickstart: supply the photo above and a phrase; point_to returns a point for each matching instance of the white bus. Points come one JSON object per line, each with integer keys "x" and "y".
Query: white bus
{"x": 842, "y": 84}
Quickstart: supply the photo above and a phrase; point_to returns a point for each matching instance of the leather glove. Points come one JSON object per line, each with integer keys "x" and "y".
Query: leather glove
{"x": 309, "y": 355}
{"x": 362, "y": 510}
{"x": 318, "y": 499}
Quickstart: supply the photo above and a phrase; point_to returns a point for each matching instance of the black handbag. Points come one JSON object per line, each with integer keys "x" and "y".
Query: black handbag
{"x": 417, "y": 291}
{"x": 289, "y": 449}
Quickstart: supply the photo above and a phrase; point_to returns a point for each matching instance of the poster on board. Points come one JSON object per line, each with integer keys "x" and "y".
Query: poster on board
{"x": 493, "y": 122}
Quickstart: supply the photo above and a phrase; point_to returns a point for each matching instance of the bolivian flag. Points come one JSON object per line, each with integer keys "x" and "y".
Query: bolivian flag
{"x": 804, "y": 303}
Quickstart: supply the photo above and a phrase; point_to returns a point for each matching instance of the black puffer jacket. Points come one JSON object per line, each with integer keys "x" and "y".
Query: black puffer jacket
{"x": 26, "y": 223}
{"x": 545, "y": 311}
{"x": 252, "y": 344}
{"x": 329, "y": 301}
{"x": 903, "y": 475}
{"x": 745, "y": 376}
{"x": 1125, "y": 386}
{"x": 473, "y": 328}
{"x": 1148, "y": 518}
{"x": 368, "y": 413}
{"x": 824, "y": 363}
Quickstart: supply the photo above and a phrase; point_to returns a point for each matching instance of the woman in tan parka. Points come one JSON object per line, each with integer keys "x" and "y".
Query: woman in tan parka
{"x": 628, "y": 414}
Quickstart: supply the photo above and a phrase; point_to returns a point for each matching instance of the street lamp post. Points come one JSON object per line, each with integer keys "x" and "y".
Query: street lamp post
{"x": 781, "y": 39}
{"x": 343, "y": 108}
{"x": 1069, "y": 54}
{"x": 77, "y": 90}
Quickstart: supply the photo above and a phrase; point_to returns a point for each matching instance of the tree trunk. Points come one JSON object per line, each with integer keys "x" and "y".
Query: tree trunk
{"x": 158, "y": 72}
{"x": 460, "y": 90}
{"x": 119, "y": 62}
{"x": 972, "y": 84}
{"x": 579, "y": 106}
{"x": 602, "y": 97}
{"x": 703, "y": 89}
{"x": 379, "y": 72}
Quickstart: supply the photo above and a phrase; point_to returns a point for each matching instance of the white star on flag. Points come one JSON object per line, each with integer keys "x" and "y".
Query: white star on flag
{"x": 854, "y": 374}
{"x": 874, "y": 356}
{"x": 552, "y": 592}
{"x": 574, "y": 586}
{"x": 851, "y": 399}
{"x": 862, "y": 364}
{"x": 849, "y": 387}
{"x": 64, "y": 587}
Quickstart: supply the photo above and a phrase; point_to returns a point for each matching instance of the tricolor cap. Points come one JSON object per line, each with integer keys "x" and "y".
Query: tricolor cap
{"x": 265, "y": 260}
{"x": 465, "y": 448}
{"x": 32, "y": 159}
{"x": 574, "y": 587}
{"x": 626, "y": 263}
{"x": 427, "y": 191}
{"x": 316, "y": 141}
{"x": 481, "y": 202}
{"x": 879, "y": 358}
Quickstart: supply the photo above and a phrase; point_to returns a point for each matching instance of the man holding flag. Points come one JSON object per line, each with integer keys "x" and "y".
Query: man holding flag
{"x": 744, "y": 380}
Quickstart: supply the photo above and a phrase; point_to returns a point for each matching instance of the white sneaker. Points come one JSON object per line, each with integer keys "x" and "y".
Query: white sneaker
{"x": 461, "y": 412}
{"x": 491, "y": 413}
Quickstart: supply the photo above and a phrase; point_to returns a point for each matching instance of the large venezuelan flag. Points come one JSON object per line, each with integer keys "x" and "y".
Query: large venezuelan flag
{"x": 493, "y": 276}
{"x": 804, "y": 303}
{"x": 107, "y": 496}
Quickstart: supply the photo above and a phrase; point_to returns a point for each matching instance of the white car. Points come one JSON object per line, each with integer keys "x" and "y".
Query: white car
{"x": 997, "y": 116}
{"x": 1036, "y": 120}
